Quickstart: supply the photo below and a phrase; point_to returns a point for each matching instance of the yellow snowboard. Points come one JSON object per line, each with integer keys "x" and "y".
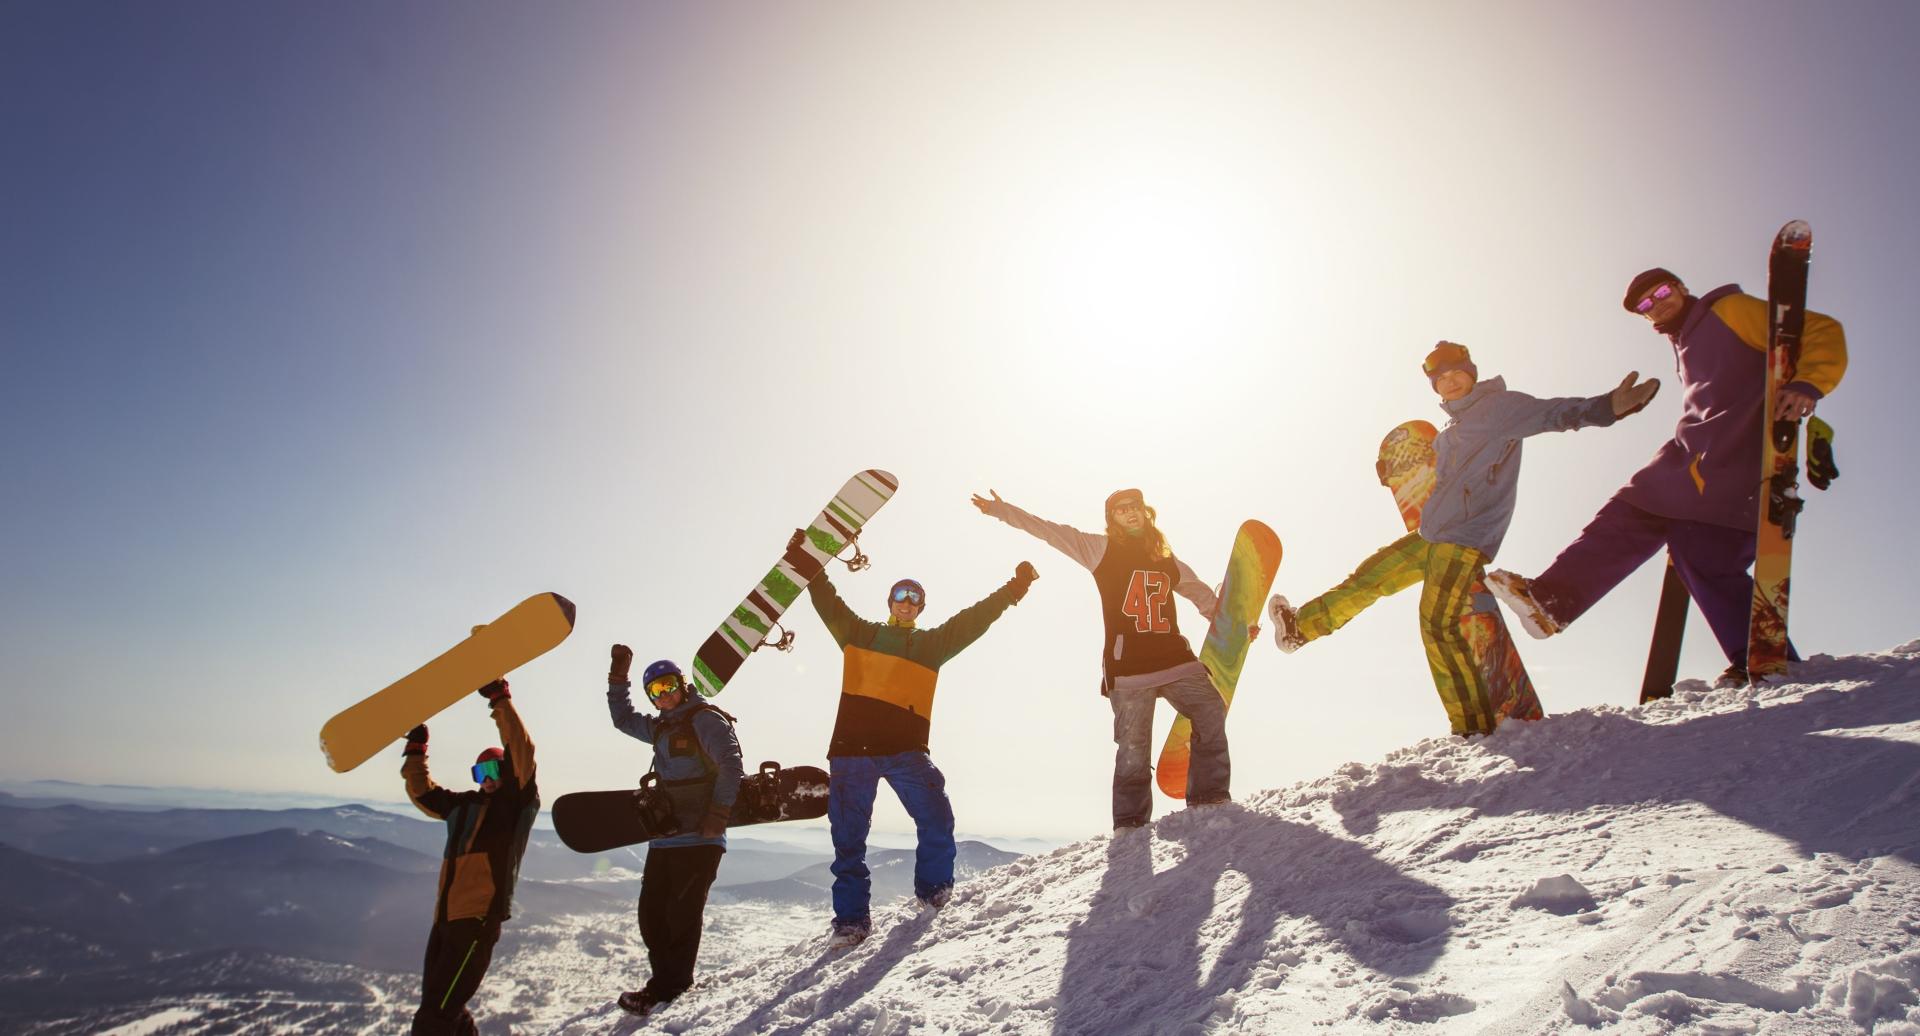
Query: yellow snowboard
{"x": 534, "y": 627}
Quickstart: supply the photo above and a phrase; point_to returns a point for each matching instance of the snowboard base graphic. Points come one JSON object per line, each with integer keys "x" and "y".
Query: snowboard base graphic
{"x": 751, "y": 624}
{"x": 596, "y": 821}
{"x": 1250, "y": 571}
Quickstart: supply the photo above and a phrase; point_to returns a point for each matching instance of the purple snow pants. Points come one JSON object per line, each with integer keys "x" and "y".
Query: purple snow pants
{"x": 1712, "y": 561}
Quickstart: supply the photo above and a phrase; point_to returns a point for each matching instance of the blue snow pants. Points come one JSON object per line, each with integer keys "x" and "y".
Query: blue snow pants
{"x": 922, "y": 789}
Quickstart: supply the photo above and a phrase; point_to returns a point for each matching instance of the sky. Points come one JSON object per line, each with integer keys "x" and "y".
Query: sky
{"x": 329, "y": 331}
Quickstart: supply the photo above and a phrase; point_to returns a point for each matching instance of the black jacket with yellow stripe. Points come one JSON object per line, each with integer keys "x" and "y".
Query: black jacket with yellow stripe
{"x": 486, "y": 831}
{"x": 889, "y": 671}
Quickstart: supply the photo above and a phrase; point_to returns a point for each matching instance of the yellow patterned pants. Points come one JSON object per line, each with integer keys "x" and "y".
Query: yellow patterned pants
{"x": 1448, "y": 570}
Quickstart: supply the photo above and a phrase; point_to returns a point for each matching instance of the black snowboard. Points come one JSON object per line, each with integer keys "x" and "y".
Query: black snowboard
{"x": 596, "y": 821}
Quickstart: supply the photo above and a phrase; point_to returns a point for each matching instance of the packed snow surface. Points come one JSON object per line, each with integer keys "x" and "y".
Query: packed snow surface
{"x": 1721, "y": 862}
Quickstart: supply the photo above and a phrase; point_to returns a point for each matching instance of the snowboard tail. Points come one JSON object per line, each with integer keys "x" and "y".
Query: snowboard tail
{"x": 751, "y": 623}
{"x": 528, "y": 630}
{"x": 598, "y": 821}
{"x": 1250, "y": 571}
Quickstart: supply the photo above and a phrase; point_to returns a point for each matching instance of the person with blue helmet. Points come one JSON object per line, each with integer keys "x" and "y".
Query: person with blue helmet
{"x": 697, "y": 758}
{"x": 881, "y": 732}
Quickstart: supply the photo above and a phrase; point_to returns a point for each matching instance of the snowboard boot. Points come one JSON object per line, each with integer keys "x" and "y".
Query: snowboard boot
{"x": 847, "y": 934}
{"x": 932, "y": 902}
{"x": 1734, "y": 678}
{"x": 1286, "y": 631}
{"x": 1516, "y": 592}
{"x": 640, "y": 1002}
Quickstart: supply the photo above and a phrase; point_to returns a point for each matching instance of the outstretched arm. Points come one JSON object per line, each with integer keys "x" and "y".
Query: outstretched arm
{"x": 1083, "y": 547}
{"x": 1522, "y": 415}
{"x": 968, "y": 624}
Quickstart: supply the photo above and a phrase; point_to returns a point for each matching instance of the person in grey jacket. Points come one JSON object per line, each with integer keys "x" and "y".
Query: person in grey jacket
{"x": 697, "y": 758}
{"x": 1477, "y": 473}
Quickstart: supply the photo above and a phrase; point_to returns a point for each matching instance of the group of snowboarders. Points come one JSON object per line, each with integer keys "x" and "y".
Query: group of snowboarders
{"x": 1697, "y": 498}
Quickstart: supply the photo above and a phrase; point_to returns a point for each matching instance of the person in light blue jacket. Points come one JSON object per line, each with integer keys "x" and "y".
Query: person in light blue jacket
{"x": 1477, "y": 473}
{"x": 697, "y": 758}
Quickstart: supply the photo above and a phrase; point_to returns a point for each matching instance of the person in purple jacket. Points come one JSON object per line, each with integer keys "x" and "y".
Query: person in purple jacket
{"x": 1698, "y": 496}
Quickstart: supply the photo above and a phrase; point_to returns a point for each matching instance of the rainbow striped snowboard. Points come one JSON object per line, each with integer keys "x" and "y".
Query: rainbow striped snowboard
{"x": 1406, "y": 466}
{"x": 530, "y": 629}
{"x": 749, "y": 625}
{"x": 1250, "y": 571}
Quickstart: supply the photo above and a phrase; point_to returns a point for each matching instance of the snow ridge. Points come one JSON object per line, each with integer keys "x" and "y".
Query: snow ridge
{"x": 1721, "y": 862}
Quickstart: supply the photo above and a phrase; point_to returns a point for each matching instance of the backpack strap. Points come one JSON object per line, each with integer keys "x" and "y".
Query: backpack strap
{"x": 706, "y": 760}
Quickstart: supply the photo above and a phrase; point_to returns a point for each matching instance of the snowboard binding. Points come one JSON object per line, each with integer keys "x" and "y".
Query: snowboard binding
{"x": 784, "y": 642}
{"x": 859, "y": 562}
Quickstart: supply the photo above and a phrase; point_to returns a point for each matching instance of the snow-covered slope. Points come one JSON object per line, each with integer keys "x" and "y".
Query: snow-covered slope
{"x": 1723, "y": 862}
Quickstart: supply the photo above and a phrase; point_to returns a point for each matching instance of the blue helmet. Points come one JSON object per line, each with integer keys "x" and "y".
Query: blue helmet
{"x": 664, "y": 667}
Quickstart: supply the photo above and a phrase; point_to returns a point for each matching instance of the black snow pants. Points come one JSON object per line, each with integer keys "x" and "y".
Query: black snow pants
{"x": 458, "y": 953}
{"x": 673, "y": 905}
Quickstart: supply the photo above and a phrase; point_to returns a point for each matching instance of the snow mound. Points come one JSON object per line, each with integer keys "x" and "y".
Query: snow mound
{"x": 1560, "y": 894}
{"x": 1719, "y": 862}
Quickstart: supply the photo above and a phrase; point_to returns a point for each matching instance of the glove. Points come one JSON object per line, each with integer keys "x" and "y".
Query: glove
{"x": 495, "y": 692}
{"x": 714, "y": 824}
{"x": 1821, "y": 470}
{"x": 622, "y": 661}
{"x": 805, "y": 564}
{"x": 1023, "y": 577}
{"x": 416, "y": 741}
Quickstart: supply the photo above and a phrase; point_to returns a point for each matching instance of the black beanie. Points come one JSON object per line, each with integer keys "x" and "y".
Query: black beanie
{"x": 1639, "y": 285}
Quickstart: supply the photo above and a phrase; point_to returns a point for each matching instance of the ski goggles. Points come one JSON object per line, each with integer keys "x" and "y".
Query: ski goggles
{"x": 1646, "y": 305}
{"x": 484, "y": 772}
{"x": 1445, "y": 357}
{"x": 909, "y": 595}
{"x": 661, "y": 686}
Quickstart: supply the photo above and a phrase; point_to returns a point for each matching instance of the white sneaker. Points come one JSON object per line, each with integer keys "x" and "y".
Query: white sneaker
{"x": 1516, "y": 592}
{"x": 1286, "y": 632}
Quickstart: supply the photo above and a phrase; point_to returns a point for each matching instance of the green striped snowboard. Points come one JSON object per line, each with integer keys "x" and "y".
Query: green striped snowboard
{"x": 749, "y": 625}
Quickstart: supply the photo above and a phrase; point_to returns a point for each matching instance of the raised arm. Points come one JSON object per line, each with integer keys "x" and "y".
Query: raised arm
{"x": 834, "y": 613}
{"x": 513, "y": 733}
{"x": 426, "y": 796}
{"x": 1083, "y": 547}
{"x": 966, "y": 626}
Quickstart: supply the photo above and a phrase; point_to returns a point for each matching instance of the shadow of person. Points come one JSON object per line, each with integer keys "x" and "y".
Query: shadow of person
{"x": 1828, "y": 771}
{"x": 836, "y": 993}
{"x": 1158, "y": 949}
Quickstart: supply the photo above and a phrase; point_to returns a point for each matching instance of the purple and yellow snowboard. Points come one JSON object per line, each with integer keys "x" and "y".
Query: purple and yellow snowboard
{"x": 1250, "y": 571}
{"x": 1406, "y": 466}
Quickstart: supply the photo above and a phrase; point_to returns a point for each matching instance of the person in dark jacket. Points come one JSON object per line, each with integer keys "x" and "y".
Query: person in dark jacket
{"x": 1476, "y": 483}
{"x": 697, "y": 757}
{"x": 487, "y": 833}
{"x": 886, "y": 709}
{"x": 1144, "y": 656}
{"x": 1698, "y": 497}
